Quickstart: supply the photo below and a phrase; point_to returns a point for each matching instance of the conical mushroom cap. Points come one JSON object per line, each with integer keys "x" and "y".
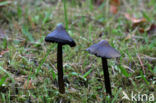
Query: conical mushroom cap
{"x": 104, "y": 50}
{"x": 60, "y": 35}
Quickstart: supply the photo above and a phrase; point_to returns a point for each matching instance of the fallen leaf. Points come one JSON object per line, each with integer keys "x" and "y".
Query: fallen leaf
{"x": 134, "y": 20}
{"x": 152, "y": 30}
{"x": 141, "y": 30}
{"x": 3, "y": 52}
{"x": 114, "y": 4}
{"x": 113, "y": 9}
{"x": 28, "y": 85}
{"x": 129, "y": 36}
{"x": 20, "y": 78}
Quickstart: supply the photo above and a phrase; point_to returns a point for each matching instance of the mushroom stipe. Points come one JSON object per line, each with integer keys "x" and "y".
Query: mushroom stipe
{"x": 60, "y": 68}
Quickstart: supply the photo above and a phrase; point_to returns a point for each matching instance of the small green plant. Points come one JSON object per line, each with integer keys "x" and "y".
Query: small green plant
{"x": 65, "y": 14}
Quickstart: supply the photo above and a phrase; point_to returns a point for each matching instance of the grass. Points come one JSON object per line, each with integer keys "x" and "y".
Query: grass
{"x": 25, "y": 24}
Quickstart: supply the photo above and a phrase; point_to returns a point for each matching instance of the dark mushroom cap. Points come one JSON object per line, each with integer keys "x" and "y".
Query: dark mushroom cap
{"x": 103, "y": 49}
{"x": 60, "y": 35}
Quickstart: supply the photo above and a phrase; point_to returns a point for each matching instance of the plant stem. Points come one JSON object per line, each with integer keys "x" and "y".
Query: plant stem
{"x": 106, "y": 76}
{"x": 60, "y": 69}
{"x": 65, "y": 14}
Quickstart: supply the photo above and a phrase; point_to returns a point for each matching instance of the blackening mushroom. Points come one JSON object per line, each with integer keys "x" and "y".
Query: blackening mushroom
{"x": 61, "y": 37}
{"x": 105, "y": 51}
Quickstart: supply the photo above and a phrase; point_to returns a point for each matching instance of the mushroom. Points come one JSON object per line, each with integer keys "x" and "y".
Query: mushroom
{"x": 105, "y": 51}
{"x": 61, "y": 37}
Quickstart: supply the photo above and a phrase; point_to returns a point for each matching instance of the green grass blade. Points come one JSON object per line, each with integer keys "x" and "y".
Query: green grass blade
{"x": 9, "y": 74}
{"x": 2, "y": 80}
{"x": 87, "y": 73}
{"x": 47, "y": 16}
{"x": 3, "y": 97}
{"x": 65, "y": 14}
{"x": 154, "y": 70}
{"x": 90, "y": 4}
{"x": 5, "y": 3}
{"x": 123, "y": 71}
{"x": 43, "y": 60}
{"x": 143, "y": 77}
{"x": 116, "y": 96}
{"x": 27, "y": 33}
{"x": 53, "y": 74}
{"x": 74, "y": 74}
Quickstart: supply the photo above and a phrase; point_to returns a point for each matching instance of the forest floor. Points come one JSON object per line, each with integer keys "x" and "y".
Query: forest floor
{"x": 28, "y": 65}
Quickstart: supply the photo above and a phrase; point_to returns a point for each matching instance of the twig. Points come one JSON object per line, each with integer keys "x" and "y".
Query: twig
{"x": 149, "y": 58}
{"x": 141, "y": 63}
{"x": 125, "y": 66}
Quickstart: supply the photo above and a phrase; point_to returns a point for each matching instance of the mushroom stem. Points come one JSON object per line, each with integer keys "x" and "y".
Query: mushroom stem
{"x": 60, "y": 69}
{"x": 106, "y": 76}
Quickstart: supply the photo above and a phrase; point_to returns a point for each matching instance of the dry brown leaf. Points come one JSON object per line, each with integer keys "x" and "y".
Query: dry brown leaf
{"x": 129, "y": 36}
{"x": 114, "y": 5}
{"x": 134, "y": 20}
{"x": 152, "y": 30}
{"x": 141, "y": 30}
{"x": 20, "y": 78}
{"x": 113, "y": 9}
{"x": 28, "y": 85}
